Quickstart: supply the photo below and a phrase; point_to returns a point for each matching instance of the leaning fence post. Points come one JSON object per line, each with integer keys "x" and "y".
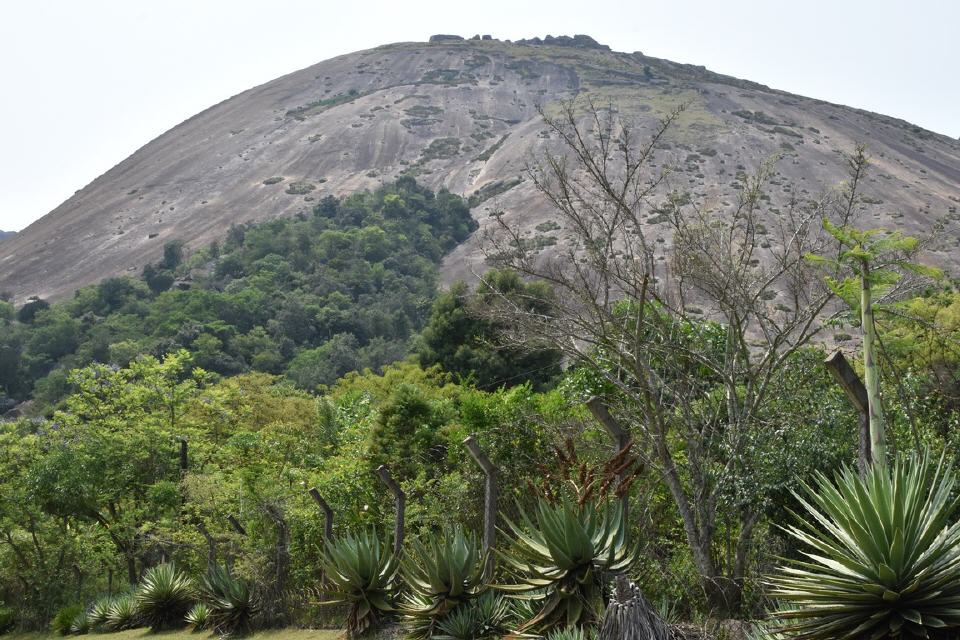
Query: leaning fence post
{"x": 856, "y": 393}
{"x": 490, "y": 500}
{"x": 327, "y": 512}
{"x": 400, "y": 502}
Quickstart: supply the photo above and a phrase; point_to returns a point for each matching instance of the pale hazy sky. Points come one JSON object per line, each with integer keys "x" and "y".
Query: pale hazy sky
{"x": 87, "y": 82}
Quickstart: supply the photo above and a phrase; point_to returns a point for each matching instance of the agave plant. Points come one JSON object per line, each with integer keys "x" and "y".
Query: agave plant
{"x": 99, "y": 612}
{"x": 199, "y": 616}
{"x": 560, "y": 556}
{"x": 123, "y": 613}
{"x": 883, "y": 558}
{"x": 442, "y": 574}
{"x": 486, "y": 617}
{"x": 63, "y": 621}
{"x": 80, "y": 624}
{"x": 573, "y": 633}
{"x": 164, "y": 597}
{"x": 362, "y": 572}
{"x": 232, "y": 606}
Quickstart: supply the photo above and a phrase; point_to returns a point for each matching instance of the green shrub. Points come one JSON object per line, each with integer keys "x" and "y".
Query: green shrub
{"x": 573, "y": 633}
{"x": 199, "y": 616}
{"x": 63, "y": 621}
{"x": 362, "y": 572}
{"x": 164, "y": 597}
{"x": 883, "y": 558}
{"x": 559, "y": 557}
{"x": 123, "y": 614}
{"x": 232, "y": 606}
{"x": 442, "y": 575}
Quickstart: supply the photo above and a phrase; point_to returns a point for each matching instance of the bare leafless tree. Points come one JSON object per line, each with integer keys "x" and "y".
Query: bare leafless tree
{"x": 689, "y": 389}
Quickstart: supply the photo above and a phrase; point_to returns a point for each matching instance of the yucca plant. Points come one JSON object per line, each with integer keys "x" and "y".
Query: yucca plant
{"x": 232, "y": 606}
{"x": 123, "y": 614}
{"x": 573, "y": 633}
{"x": 486, "y": 617}
{"x": 362, "y": 572}
{"x": 883, "y": 558}
{"x": 99, "y": 611}
{"x": 442, "y": 574}
{"x": 199, "y": 616}
{"x": 164, "y": 597}
{"x": 62, "y": 622}
{"x": 560, "y": 556}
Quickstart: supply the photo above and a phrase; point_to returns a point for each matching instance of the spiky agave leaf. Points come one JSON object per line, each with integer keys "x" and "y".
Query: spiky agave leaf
{"x": 164, "y": 597}
{"x": 232, "y": 605}
{"x": 362, "y": 571}
{"x": 559, "y": 556}
{"x": 883, "y": 558}
{"x": 442, "y": 574}
{"x": 123, "y": 613}
{"x": 80, "y": 624}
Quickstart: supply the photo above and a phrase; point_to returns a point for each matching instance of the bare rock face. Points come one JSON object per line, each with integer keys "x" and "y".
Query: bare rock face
{"x": 462, "y": 114}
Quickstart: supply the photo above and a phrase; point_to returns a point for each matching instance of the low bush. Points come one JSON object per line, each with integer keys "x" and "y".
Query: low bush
{"x": 63, "y": 621}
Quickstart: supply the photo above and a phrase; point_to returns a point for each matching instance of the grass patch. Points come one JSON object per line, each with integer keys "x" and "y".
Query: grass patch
{"x": 492, "y": 149}
{"x": 317, "y": 106}
{"x": 490, "y": 190}
{"x": 441, "y": 149}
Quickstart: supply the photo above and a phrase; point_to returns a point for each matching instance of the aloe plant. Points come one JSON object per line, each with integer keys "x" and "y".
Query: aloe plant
{"x": 441, "y": 574}
{"x": 559, "y": 556}
{"x": 883, "y": 558}
{"x": 164, "y": 597}
{"x": 232, "y": 606}
{"x": 362, "y": 572}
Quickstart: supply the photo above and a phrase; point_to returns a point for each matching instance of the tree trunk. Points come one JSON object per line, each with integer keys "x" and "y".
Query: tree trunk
{"x": 871, "y": 379}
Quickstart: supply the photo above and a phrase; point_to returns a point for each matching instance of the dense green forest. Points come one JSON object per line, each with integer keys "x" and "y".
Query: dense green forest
{"x": 185, "y": 430}
{"x": 312, "y": 298}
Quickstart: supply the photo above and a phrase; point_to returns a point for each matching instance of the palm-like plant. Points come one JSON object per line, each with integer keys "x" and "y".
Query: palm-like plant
{"x": 80, "y": 624}
{"x": 164, "y": 597}
{"x": 442, "y": 574}
{"x": 884, "y": 558}
{"x": 123, "y": 613}
{"x": 559, "y": 557}
{"x": 361, "y": 571}
{"x": 232, "y": 606}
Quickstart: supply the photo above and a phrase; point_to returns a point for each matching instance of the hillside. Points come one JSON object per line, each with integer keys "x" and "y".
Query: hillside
{"x": 461, "y": 114}
{"x": 4, "y": 235}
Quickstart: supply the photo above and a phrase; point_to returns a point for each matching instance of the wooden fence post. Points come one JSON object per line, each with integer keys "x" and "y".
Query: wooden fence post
{"x": 400, "y": 504}
{"x": 236, "y": 525}
{"x": 847, "y": 378}
{"x": 184, "y": 458}
{"x": 490, "y": 501}
{"x": 327, "y": 512}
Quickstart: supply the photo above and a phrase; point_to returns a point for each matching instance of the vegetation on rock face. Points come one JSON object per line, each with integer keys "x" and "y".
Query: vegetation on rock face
{"x": 315, "y": 298}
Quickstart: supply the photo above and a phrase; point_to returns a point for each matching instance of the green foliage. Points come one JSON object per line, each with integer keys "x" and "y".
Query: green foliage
{"x": 883, "y": 556}
{"x": 442, "y": 575}
{"x": 8, "y": 620}
{"x": 232, "y": 608}
{"x": 164, "y": 597}
{"x": 316, "y": 296}
{"x": 80, "y": 624}
{"x": 560, "y": 555}
{"x": 461, "y": 340}
{"x": 362, "y": 571}
{"x": 199, "y": 617}
{"x": 62, "y": 623}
